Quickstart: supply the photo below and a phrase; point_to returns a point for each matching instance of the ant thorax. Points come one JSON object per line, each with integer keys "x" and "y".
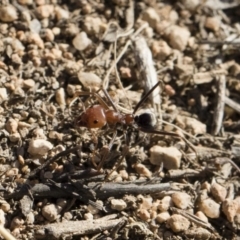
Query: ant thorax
{"x": 145, "y": 119}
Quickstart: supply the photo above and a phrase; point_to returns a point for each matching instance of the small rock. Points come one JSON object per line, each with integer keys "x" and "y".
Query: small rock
{"x": 191, "y": 4}
{"x": 11, "y": 125}
{"x": 68, "y": 215}
{"x": 17, "y": 222}
{"x": 90, "y": 80}
{"x": 212, "y": 23}
{"x": 230, "y": 208}
{"x": 5, "y": 206}
{"x": 3, "y": 94}
{"x": 60, "y": 97}
{"x": 81, "y": 41}
{"x": 88, "y": 216}
{"x": 30, "y": 218}
{"x": 2, "y": 217}
{"x": 45, "y": 11}
{"x": 202, "y": 216}
{"x": 12, "y": 172}
{"x": 146, "y": 202}
{"x": 193, "y": 124}
{"x": 118, "y": 204}
{"x": 219, "y": 192}
{"x": 61, "y": 13}
{"x": 8, "y": 13}
{"x": 29, "y": 83}
{"x": 170, "y": 156}
{"x": 178, "y": 223}
{"x": 151, "y": 17}
{"x": 39, "y": 147}
{"x": 92, "y": 25}
{"x": 144, "y": 214}
{"x": 181, "y": 200}
{"x": 142, "y": 170}
{"x": 162, "y": 217}
{"x": 169, "y": 90}
{"x": 50, "y": 212}
{"x": 165, "y": 204}
{"x": 178, "y": 37}
{"x": 210, "y": 208}
{"x": 161, "y": 50}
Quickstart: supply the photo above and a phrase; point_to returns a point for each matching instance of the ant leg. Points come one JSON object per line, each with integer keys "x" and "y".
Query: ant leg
{"x": 106, "y": 150}
{"x": 176, "y": 135}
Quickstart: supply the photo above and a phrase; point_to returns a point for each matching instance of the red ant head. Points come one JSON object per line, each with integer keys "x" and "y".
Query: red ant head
{"x": 93, "y": 117}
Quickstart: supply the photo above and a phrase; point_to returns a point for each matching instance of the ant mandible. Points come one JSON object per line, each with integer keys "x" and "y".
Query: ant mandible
{"x": 98, "y": 116}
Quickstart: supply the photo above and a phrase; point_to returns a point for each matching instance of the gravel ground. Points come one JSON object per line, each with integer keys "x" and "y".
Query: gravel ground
{"x": 82, "y": 156}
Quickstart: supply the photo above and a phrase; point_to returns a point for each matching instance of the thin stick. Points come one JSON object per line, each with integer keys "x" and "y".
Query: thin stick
{"x": 232, "y": 104}
{"x": 219, "y": 108}
{"x": 7, "y": 235}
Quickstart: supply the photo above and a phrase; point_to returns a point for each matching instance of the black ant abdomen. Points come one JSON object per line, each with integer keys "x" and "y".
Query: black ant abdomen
{"x": 145, "y": 120}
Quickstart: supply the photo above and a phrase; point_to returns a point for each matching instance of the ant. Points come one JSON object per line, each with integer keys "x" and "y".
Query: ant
{"x": 98, "y": 116}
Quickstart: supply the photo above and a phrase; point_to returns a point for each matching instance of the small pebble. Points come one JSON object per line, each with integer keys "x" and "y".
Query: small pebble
{"x": 12, "y": 172}
{"x": 3, "y": 94}
{"x": 61, "y": 13}
{"x": 88, "y": 216}
{"x": 118, "y": 204}
{"x": 165, "y": 204}
{"x": 151, "y": 17}
{"x": 60, "y": 97}
{"x": 219, "y": 192}
{"x": 210, "y": 208}
{"x": 161, "y": 50}
{"x": 162, "y": 217}
{"x": 146, "y": 202}
{"x": 178, "y": 223}
{"x": 39, "y": 147}
{"x": 5, "y": 206}
{"x": 8, "y": 13}
{"x": 90, "y": 80}
{"x": 144, "y": 214}
{"x": 68, "y": 215}
{"x": 2, "y": 217}
{"x": 30, "y": 218}
{"x": 170, "y": 156}
{"x": 230, "y": 208}
{"x": 11, "y": 125}
{"x": 178, "y": 37}
{"x": 202, "y": 216}
{"x": 29, "y": 83}
{"x": 50, "y": 212}
{"x": 17, "y": 222}
{"x": 212, "y": 23}
{"x": 92, "y": 25}
{"x": 142, "y": 170}
{"x": 191, "y": 4}
{"x": 81, "y": 41}
{"x": 181, "y": 200}
{"x": 45, "y": 11}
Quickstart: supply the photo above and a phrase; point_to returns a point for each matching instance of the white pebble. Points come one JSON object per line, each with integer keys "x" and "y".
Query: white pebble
{"x": 178, "y": 37}
{"x": 213, "y": 23}
{"x": 92, "y": 25}
{"x": 178, "y": 223}
{"x": 210, "y": 208}
{"x": 3, "y": 94}
{"x": 88, "y": 216}
{"x": 90, "y": 80}
{"x": 8, "y": 13}
{"x": 191, "y": 4}
{"x": 219, "y": 192}
{"x": 60, "y": 97}
{"x": 230, "y": 208}
{"x": 39, "y": 147}
{"x": 118, "y": 204}
{"x": 2, "y": 217}
{"x": 170, "y": 156}
{"x": 11, "y": 125}
{"x": 61, "y": 13}
{"x": 165, "y": 204}
{"x": 151, "y": 17}
{"x": 181, "y": 200}
{"x": 81, "y": 41}
{"x": 30, "y": 218}
{"x": 50, "y": 212}
{"x": 202, "y": 216}
{"x": 162, "y": 217}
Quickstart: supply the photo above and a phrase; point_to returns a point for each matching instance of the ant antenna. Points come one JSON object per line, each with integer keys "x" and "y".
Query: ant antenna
{"x": 145, "y": 97}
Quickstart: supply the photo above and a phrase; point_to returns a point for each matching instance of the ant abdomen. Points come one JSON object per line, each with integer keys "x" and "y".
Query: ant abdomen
{"x": 93, "y": 117}
{"x": 145, "y": 120}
